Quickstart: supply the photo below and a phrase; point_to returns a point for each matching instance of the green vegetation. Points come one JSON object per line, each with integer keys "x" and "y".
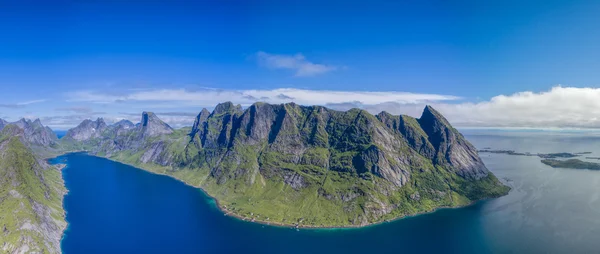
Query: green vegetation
{"x": 30, "y": 200}
{"x": 332, "y": 198}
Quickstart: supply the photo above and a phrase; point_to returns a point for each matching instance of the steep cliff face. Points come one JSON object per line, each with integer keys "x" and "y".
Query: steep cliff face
{"x": 295, "y": 163}
{"x": 452, "y": 149}
{"x": 87, "y": 129}
{"x": 31, "y": 193}
{"x": 152, "y": 126}
{"x": 434, "y": 138}
{"x": 198, "y": 128}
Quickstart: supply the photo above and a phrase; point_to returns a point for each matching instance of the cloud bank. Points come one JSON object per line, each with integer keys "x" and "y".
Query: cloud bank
{"x": 209, "y": 97}
{"x": 559, "y": 107}
{"x": 297, "y": 63}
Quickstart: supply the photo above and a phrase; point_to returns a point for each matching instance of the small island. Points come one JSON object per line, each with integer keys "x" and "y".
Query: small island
{"x": 541, "y": 155}
{"x": 572, "y": 163}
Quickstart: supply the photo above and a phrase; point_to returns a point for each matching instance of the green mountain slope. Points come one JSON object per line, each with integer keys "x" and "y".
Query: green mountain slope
{"x": 31, "y": 194}
{"x": 311, "y": 166}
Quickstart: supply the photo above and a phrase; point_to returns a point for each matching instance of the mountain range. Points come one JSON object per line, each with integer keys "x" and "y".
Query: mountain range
{"x": 286, "y": 164}
{"x": 306, "y": 165}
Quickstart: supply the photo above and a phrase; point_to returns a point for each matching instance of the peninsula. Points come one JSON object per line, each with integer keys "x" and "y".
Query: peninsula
{"x": 286, "y": 164}
{"x": 304, "y": 166}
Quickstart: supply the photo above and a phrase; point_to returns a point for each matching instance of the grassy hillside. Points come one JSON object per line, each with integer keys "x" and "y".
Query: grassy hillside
{"x": 31, "y": 194}
{"x": 337, "y": 199}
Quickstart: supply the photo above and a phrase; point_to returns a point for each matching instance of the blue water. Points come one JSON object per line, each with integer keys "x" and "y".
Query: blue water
{"x": 115, "y": 208}
{"x": 60, "y": 133}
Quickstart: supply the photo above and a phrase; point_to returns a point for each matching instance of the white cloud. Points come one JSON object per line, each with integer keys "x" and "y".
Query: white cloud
{"x": 209, "y": 97}
{"x": 560, "y": 107}
{"x": 20, "y": 104}
{"x": 295, "y": 62}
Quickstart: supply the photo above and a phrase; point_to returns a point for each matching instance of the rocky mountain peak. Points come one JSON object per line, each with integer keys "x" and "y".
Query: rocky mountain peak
{"x": 37, "y": 123}
{"x": 22, "y": 123}
{"x": 199, "y": 121}
{"x": 451, "y": 148}
{"x": 227, "y": 107}
{"x": 35, "y": 133}
{"x": 203, "y": 115}
{"x": 125, "y": 124}
{"x": 87, "y": 129}
{"x": 13, "y": 130}
{"x": 151, "y": 125}
{"x": 146, "y": 118}
{"x": 431, "y": 117}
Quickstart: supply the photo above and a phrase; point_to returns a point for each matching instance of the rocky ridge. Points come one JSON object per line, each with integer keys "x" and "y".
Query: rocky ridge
{"x": 319, "y": 166}
{"x": 87, "y": 129}
{"x": 31, "y": 192}
{"x": 36, "y": 134}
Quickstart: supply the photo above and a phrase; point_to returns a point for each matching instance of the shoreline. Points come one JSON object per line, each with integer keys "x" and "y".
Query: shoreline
{"x": 226, "y": 212}
{"x": 60, "y": 167}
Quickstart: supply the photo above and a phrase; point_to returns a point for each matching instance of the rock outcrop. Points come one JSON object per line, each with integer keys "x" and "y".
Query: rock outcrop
{"x": 37, "y": 134}
{"x": 124, "y": 124}
{"x": 152, "y": 126}
{"x": 451, "y": 147}
{"x": 87, "y": 129}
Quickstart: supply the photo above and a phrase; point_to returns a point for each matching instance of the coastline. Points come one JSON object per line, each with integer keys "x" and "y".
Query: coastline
{"x": 226, "y": 212}
{"x": 60, "y": 167}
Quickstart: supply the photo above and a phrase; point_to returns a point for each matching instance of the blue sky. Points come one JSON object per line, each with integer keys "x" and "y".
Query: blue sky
{"x": 67, "y": 61}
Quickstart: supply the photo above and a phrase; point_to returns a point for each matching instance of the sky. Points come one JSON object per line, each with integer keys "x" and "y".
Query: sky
{"x": 480, "y": 63}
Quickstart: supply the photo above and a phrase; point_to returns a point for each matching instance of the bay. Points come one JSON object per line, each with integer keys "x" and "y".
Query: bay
{"x": 116, "y": 208}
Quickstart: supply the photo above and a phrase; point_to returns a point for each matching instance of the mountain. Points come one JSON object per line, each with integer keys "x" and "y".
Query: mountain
{"x": 124, "y": 136}
{"x": 124, "y": 124}
{"x": 151, "y": 126}
{"x": 31, "y": 193}
{"x": 311, "y": 166}
{"x": 37, "y": 134}
{"x": 434, "y": 138}
{"x": 119, "y": 128}
{"x": 87, "y": 129}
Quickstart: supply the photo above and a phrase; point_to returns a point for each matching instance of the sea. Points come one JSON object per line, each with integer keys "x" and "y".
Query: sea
{"x": 116, "y": 208}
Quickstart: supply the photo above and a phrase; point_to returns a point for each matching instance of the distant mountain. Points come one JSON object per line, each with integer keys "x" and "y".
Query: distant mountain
{"x": 31, "y": 192}
{"x": 311, "y": 166}
{"x": 120, "y": 127}
{"x": 124, "y": 124}
{"x": 35, "y": 133}
{"x": 86, "y": 130}
{"x": 151, "y": 126}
